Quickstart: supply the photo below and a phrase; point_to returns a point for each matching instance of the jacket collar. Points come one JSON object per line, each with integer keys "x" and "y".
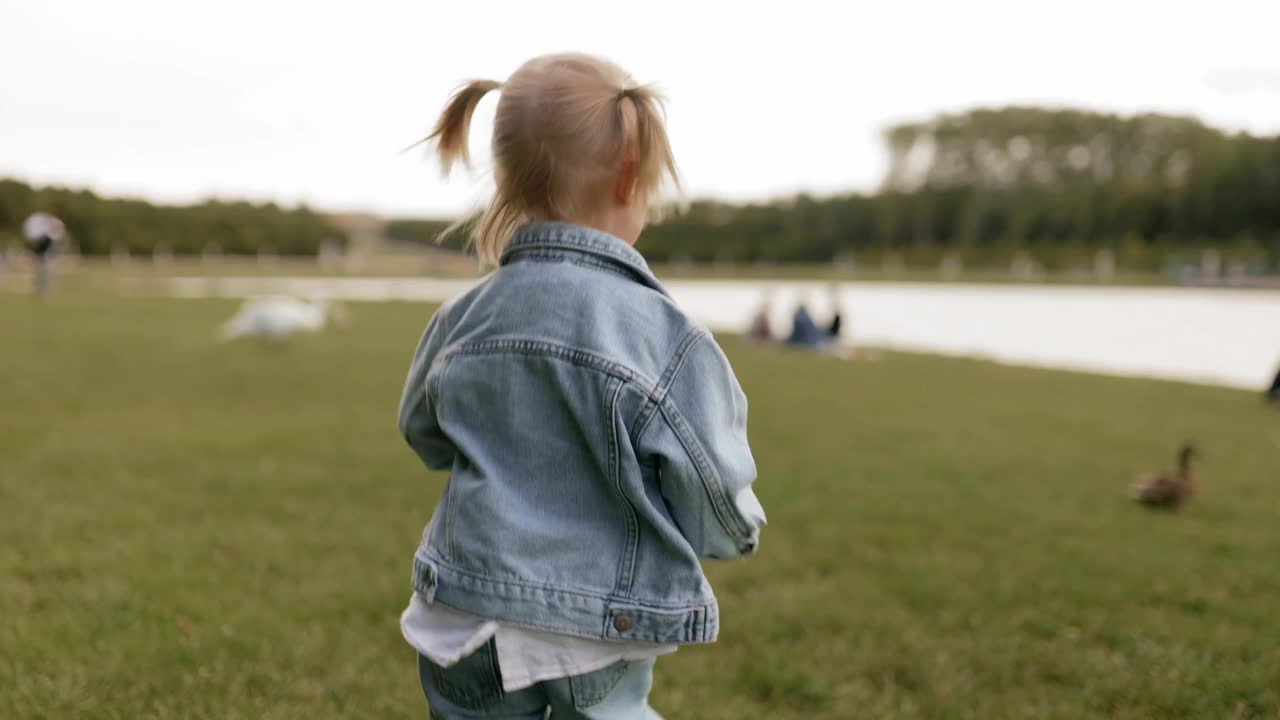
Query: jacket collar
{"x": 563, "y": 240}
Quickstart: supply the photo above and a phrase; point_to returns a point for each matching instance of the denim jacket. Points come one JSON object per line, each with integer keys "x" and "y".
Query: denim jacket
{"x": 596, "y": 440}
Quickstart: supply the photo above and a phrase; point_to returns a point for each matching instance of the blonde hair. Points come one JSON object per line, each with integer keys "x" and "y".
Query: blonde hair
{"x": 566, "y": 126}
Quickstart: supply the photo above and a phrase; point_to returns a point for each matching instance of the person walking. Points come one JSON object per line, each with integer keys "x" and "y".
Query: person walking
{"x": 44, "y": 231}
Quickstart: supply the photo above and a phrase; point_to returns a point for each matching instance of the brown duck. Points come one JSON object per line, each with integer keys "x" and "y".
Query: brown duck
{"x": 1169, "y": 489}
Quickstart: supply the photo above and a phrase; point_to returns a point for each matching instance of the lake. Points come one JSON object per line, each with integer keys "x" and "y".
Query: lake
{"x": 1216, "y": 336}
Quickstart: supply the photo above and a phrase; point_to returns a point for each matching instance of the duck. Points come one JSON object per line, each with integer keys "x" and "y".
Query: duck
{"x": 1169, "y": 489}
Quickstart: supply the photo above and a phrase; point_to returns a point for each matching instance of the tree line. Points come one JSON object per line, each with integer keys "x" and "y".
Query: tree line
{"x": 98, "y": 225}
{"x": 980, "y": 188}
{"x": 990, "y": 185}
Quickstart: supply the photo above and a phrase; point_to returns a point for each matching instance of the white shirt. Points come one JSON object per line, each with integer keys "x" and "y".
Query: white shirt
{"x": 526, "y": 657}
{"x": 41, "y": 224}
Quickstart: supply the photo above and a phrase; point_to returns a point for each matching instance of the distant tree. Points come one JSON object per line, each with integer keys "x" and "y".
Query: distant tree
{"x": 423, "y": 232}
{"x": 990, "y": 185}
{"x": 97, "y": 224}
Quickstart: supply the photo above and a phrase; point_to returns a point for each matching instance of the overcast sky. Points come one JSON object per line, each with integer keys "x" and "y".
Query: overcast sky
{"x": 313, "y": 101}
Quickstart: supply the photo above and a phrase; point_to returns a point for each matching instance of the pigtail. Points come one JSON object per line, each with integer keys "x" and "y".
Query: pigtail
{"x": 645, "y": 137}
{"x": 450, "y": 134}
{"x": 451, "y": 129}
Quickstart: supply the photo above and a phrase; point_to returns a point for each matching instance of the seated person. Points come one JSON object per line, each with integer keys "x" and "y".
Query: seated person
{"x": 759, "y": 329}
{"x": 833, "y": 330}
{"x": 803, "y": 330}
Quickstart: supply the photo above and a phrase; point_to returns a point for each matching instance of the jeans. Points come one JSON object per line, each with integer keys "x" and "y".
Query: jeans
{"x": 42, "y": 274}
{"x": 472, "y": 689}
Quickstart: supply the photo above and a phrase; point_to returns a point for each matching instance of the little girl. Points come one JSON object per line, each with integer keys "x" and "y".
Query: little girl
{"x": 595, "y": 436}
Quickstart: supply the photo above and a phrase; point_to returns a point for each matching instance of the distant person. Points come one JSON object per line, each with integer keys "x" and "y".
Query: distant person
{"x": 804, "y": 332}
{"x": 44, "y": 231}
{"x": 833, "y": 330}
{"x": 1273, "y": 393}
{"x": 760, "y": 330}
{"x": 563, "y": 557}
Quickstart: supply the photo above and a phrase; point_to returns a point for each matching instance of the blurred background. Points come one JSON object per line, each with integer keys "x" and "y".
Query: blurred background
{"x": 992, "y": 263}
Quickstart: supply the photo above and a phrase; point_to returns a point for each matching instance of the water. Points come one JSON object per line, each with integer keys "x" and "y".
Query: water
{"x": 1223, "y": 337}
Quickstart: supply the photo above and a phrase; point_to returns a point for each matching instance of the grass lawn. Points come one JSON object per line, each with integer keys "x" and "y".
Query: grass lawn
{"x": 196, "y": 530}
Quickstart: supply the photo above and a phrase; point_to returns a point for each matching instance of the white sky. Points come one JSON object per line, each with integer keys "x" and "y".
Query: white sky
{"x": 312, "y": 101}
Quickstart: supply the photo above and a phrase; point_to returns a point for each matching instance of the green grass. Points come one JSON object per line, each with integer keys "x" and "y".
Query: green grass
{"x": 197, "y": 530}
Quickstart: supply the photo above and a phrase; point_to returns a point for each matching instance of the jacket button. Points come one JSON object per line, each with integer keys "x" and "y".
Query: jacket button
{"x": 622, "y": 623}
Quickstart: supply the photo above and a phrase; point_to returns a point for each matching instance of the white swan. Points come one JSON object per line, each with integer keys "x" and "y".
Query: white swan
{"x": 276, "y": 317}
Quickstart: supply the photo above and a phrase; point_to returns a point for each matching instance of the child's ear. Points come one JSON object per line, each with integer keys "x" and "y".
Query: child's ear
{"x": 624, "y": 187}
